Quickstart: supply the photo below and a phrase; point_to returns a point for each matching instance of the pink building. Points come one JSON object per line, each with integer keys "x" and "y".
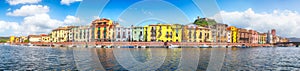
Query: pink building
{"x": 253, "y": 36}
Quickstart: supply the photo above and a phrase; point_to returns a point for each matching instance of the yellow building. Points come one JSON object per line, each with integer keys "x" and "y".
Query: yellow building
{"x": 164, "y": 33}
{"x": 234, "y": 34}
{"x": 12, "y": 39}
{"x": 60, "y": 34}
{"x": 176, "y": 32}
{"x": 189, "y": 34}
{"x": 45, "y": 38}
{"x": 103, "y": 30}
{"x": 24, "y": 39}
{"x": 150, "y": 33}
{"x": 194, "y": 33}
{"x": 17, "y": 39}
{"x": 203, "y": 34}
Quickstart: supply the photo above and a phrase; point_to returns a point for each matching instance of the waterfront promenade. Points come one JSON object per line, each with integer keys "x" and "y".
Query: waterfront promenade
{"x": 199, "y": 44}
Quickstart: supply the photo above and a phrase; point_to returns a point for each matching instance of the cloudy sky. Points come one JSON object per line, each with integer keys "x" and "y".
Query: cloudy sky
{"x": 23, "y": 17}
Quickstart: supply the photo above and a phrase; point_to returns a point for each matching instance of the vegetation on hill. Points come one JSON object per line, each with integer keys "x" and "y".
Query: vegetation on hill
{"x": 4, "y": 39}
{"x": 204, "y": 22}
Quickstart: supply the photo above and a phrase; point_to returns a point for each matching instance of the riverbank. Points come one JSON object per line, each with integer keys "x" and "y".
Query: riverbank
{"x": 141, "y": 44}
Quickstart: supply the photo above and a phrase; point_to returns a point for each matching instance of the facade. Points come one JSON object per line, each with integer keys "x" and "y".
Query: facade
{"x": 189, "y": 34}
{"x": 138, "y": 34}
{"x": 164, "y": 33}
{"x": 17, "y": 39}
{"x": 219, "y": 33}
{"x": 229, "y": 37}
{"x": 253, "y": 37}
{"x": 80, "y": 34}
{"x": 123, "y": 34}
{"x": 12, "y": 39}
{"x": 60, "y": 34}
{"x": 262, "y": 38}
{"x": 243, "y": 36}
{"x": 102, "y": 30}
{"x": 274, "y": 37}
{"x": 72, "y": 32}
{"x": 194, "y": 33}
{"x": 234, "y": 34}
{"x": 150, "y": 33}
{"x": 23, "y": 39}
{"x": 177, "y": 32}
{"x": 45, "y": 38}
{"x": 269, "y": 38}
{"x": 35, "y": 38}
{"x": 203, "y": 34}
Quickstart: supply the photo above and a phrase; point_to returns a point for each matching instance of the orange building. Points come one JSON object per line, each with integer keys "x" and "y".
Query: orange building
{"x": 102, "y": 30}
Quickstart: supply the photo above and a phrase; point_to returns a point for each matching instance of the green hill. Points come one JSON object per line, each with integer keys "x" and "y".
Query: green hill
{"x": 3, "y": 39}
{"x": 204, "y": 22}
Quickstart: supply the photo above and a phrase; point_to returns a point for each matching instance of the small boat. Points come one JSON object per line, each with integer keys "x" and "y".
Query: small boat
{"x": 108, "y": 46}
{"x": 143, "y": 46}
{"x": 205, "y": 46}
{"x": 173, "y": 46}
{"x": 98, "y": 46}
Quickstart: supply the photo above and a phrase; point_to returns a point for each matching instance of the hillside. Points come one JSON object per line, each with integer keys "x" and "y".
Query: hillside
{"x": 3, "y": 39}
{"x": 204, "y": 22}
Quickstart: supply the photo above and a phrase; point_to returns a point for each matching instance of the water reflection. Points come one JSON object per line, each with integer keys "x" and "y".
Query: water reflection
{"x": 22, "y": 58}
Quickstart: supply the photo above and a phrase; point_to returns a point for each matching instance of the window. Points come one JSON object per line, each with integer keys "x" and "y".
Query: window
{"x": 200, "y": 36}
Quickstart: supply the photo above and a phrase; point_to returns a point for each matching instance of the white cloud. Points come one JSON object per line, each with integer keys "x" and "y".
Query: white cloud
{"x": 15, "y": 2}
{"x": 36, "y": 24}
{"x": 68, "y": 2}
{"x": 29, "y": 10}
{"x": 287, "y": 23}
{"x": 71, "y": 20}
{"x": 5, "y": 26}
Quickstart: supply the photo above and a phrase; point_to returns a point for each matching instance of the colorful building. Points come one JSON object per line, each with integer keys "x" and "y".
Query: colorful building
{"x": 12, "y": 39}
{"x": 35, "y": 38}
{"x": 17, "y": 39}
{"x": 80, "y": 34}
{"x": 102, "y": 30}
{"x": 243, "y": 36}
{"x": 163, "y": 33}
{"x": 194, "y": 33}
{"x": 203, "y": 34}
{"x": 72, "y": 32}
{"x": 150, "y": 33}
{"x": 45, "y": 38}
{"x": 123, "y": 34}
{"x": 262, "y": 38}
{"x": 177, "y": 32}
{"x": 138, "y": 34}
{"x": 23, "y": 39}
{"x": 60, "y": 34}
{"x": 219, "y": 33}
{"x": 234, "y": 34}
{"x": 253, "y": 36}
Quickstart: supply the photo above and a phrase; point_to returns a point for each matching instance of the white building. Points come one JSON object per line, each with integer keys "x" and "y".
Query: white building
{"x": 35, "y": 38}
{"x": 123, "y": 34}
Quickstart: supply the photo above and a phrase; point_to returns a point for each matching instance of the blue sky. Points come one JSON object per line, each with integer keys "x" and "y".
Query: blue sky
{"x": 58, "y": 12}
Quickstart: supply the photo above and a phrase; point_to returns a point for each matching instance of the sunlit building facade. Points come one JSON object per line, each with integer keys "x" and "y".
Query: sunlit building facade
{"x": 102, "y": 30}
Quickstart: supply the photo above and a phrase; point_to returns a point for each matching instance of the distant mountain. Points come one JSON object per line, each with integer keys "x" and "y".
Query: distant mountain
{"x": 294, "y": 39}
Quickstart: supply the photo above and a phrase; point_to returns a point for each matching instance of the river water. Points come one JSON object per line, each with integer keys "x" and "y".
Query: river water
{"x": 37, "y": 58}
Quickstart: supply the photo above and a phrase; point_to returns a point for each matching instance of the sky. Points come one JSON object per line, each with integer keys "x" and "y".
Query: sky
{"x": 24, "y": 17}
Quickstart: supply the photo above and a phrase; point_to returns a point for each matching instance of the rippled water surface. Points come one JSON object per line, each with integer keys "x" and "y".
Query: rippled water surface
{"x": 26, "y": 58}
